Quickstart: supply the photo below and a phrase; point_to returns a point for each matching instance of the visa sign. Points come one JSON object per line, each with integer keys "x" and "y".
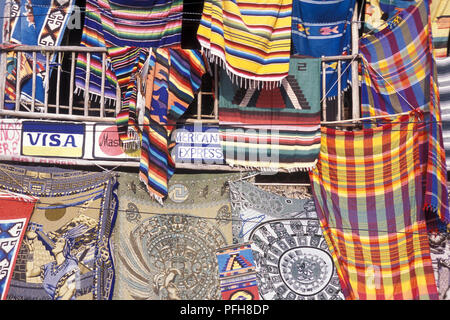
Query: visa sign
{"x": 53, "y": 139}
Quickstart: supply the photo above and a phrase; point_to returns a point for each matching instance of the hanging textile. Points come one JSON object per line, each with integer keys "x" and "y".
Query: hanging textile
{"x": 367, "y": 191}
{"x": 237, "y": 272}
{"x": 37, "y": 22}
{"x": 380, "y": 13}
{"x": 251, "y": 41}
{"x": 66, "y": 252}
{"x": 3, "y": 25}
{"x": 15, "y": 213}
{"x": 127, "y": 63}
{"x": 274, "y": 129}
{"x": 173, "y": 78}
{"x": 169, "y": 252}
{"x": 323, "y": 28}
{"x": 124, "y": 23}
{"x": 398, "y": 76}
{"x": 291, "y": 255}
{"x": 443, "y": 79}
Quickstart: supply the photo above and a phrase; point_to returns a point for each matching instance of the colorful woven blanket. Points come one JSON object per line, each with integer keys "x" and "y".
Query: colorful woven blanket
{"x": 169, "y": 252}
{"x": 379, "y": 13}
{"x": 273, "y": 129}
{"x": 124, "y": 23}
{"x": 237, "y": 272}
{"x": 367, "y": 191}
{"x": 38, "y": 22}
{"x": 398, "y": 76}
{"x": 66, "y": 250}
{"x": 251, "y": 40}
{"x": 291, "y": 255}
{"x": 127, "y": 63}
{"x": 15, "y": 213}
{"x": 443, "y": 79}
{"x": 440, "y": 256}
{"x": 323, "y": 28}
{"x": 173, "y": 78}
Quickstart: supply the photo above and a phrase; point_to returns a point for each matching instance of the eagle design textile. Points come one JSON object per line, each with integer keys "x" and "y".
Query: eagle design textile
{"x": 251, "y": 40}
{"x": 169, "y": 252}
{"x": 124, "y": 23}
{"x": 15, "y": 213}
{"x": 173, "y": 78}
{"x": 237, "y": 272}
{"x": 380, "y": 13}
{"x": 398, "y": 76}
{"x": 65, "y": 253}
{"x": 323, "y": 28}
{"x": 274, "y": 129}
{"x": 367, "y": 191}
{"x": 291, "y": 255}
{"x": 37, "y": 22}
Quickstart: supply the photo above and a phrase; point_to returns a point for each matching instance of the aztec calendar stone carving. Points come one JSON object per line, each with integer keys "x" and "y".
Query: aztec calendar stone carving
{"x": 293, "y": 262}
{"x": 180, "y": 254}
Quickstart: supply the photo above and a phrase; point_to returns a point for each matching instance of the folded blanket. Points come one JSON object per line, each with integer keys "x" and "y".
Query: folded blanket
{"x": 398, "y": 76}
{"x": 252, "y": 41}
{"x": 273, "y": 129}
{"x": 367, "y": 190}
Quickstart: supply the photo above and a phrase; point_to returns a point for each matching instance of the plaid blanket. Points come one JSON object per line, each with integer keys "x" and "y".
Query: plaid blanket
{"x": 124, "y": 23}
{"x": 367, "y": 190}
{"x": 173, "y": 78}
{"x": 273, "y": 129}
{"x": 15, "y": 213}
{"x": 252, "y": 40}
{"x": 398, "y": 76}
{"x": 323, "y": 28}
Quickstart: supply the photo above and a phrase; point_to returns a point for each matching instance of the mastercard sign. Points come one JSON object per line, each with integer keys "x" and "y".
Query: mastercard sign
{"x": 107, "y": 144}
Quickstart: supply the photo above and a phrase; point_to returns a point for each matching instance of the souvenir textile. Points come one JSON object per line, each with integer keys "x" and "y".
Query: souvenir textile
{"x": 124, "y": 23}
{"x": 65, "y": 253}
{"x": 273, "y": 129}
{"x": 174, "y": 76}
{"x": 250, "y": 40}
{"x": 15, "y": 213}
{"x": 323, "y": 28}
{"x": 440, "y": 256}
{"x": 398, "y": 76}
{"x": 237, "y": 272}
{"x": 40, "y": 23}
{"x": 169, "y": 252}
{"x": 367, "y": 191}
{"x": 291, "y": 255}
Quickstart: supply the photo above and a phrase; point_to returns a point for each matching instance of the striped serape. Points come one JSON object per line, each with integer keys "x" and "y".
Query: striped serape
{"x": 251, "y": 40}
{"x": 398, "y": 76}
{"x": 123, "y": 23}
{"x": 380, "y": 12}
{"x": 323, "y": 28}
{"x": 173, "y": 78}
{"x": 443, "y": 74}
{"x": 127, "y": 62}
{"x": 273, "y": 129}
{"x": 367, "y": 191}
